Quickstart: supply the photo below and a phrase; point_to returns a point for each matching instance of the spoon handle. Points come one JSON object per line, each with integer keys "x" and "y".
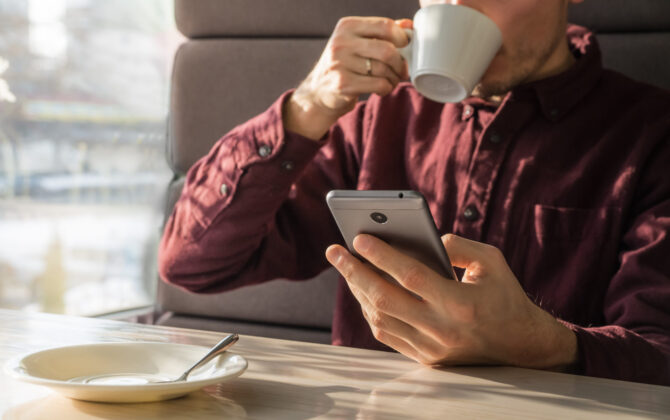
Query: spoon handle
{"x": 221, "y": 346}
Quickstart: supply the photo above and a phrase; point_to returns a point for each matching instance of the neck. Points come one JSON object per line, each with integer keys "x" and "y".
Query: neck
{"x": 558, "y": 62}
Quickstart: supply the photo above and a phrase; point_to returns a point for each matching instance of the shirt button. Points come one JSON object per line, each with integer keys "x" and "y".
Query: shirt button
{"x": 468, "y": 111}
{"x": 264, "y": 150}
{"x": 471, "y": 213}
{"x": 287, "y": 165}
{"x": 223, "y": 190}
{"x": 495, "y": 138}
{"x": 553, "y": 113}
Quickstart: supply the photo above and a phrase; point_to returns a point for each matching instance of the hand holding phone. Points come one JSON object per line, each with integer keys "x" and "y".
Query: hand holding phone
{"x": 400, "y": 218}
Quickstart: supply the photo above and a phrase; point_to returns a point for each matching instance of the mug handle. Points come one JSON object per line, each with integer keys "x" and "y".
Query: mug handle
{"x": 406, "y": 51}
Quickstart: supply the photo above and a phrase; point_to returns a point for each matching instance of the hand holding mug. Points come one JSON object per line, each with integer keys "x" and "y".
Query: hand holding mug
{"x": 451, "y": 48}
{"x": 361, "y": 57}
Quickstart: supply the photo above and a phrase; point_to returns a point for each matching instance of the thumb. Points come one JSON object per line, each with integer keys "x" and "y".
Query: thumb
{"x": 405, "y": 23}
{"x": 401, "y": 38}
{"x": 462, "y": 252}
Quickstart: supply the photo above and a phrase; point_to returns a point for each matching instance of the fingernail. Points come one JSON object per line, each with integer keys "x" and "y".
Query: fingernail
{"x": 334, "y": 256}
{"x": 362, "y": 243}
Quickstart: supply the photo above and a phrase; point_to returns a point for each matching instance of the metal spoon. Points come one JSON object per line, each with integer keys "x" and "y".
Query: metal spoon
{"x": 219, "y": 348}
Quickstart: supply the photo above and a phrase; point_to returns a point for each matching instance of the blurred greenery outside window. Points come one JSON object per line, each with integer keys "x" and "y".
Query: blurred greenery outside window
{"x": 83, "y": 105}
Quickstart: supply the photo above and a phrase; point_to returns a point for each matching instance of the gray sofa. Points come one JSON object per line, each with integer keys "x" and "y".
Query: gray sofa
{"x": 241, "y": 55}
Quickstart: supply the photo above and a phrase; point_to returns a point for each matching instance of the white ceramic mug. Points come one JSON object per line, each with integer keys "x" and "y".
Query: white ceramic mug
{"x": 450, "y": 48}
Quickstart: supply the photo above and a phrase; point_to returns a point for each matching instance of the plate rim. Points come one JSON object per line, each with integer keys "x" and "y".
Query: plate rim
{"x": 12, "y": 367}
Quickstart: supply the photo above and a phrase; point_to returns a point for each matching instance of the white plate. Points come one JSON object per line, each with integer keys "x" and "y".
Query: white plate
{"x": 123, "y": 372}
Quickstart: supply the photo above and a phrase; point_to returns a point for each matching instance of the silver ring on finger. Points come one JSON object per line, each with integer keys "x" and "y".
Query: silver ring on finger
{"x": 368, "y": 67}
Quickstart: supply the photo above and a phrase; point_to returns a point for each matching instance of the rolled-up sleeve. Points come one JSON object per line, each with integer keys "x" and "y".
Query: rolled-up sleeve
{"x": 251, "y": 206}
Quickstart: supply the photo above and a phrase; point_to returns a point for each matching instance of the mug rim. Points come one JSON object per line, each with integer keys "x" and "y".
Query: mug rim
{"x": 463, "y": 87}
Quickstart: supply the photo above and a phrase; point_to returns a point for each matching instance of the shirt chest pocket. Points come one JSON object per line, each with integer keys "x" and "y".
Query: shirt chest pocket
{"x": 567, "y": 224}
{"x": 569, "y": 257}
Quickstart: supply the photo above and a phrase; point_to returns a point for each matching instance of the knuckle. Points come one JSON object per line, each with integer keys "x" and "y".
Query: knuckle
{"x": 335, "y": 66}
{"x": 386, "y": 26}
{"x": 378, "y": 334}
{"x": 495, "y": 253}
{"x": 449, "y": 337}
{"x": 384, "y": 87}
{"x": 380, "y": 302}
{"x": 414, "y": 277}
{"x": 448, "y": 238}
{"x": 376, "y": 319}
{"x": 387, "y": 53}
{"x": 365, "y": 313}
{"x": 344, "y": 23}
{"x": 347, "y": 270}
{"x": 337, "y": 45}
{"x": 341, "y": 81}
{"x": 336, "y": 49}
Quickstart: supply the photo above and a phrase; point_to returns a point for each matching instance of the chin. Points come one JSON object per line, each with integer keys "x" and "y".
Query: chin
{"x": 487, "y": 88}
{"x": 495, "y": 80}
{"x": 499, "y": 78}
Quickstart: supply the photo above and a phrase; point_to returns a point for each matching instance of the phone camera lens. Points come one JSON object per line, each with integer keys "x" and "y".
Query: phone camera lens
{"x": 379, "y": 218}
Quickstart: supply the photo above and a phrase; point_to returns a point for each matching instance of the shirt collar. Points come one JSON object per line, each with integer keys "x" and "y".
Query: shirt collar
{"x": 473, "y": 103}
{"x": 557, "y": 95}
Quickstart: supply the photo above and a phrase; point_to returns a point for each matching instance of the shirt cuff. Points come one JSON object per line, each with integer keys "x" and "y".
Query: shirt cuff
{"x": 615, "y": 352}
{"x": 272, "y": 142}
{"x": 257, "y": 156}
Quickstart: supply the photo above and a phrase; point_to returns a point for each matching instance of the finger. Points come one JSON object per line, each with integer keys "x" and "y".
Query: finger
{"x": 405, "y": 23}
{"x": 382, "y": 51}
{"x": 379, "y": 323}
{"x": 398, "y": 344}
{"x": 394, "y": 331}
{"x": 395, "y": 334}
{"x": 381, "y": 294}
{"x": 382, "y": 322}
{"x": 471, "y": 255}
{"x": 427, "y": 342}
{"x": 376, "y": 27}
{"x": 354, "y": 84}
{"x": 409, "y": 272}
{"x": 377, "y": 69}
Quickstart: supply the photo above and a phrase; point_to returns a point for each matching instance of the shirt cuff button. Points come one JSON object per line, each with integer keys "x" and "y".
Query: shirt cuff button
{"x": 223, "y": 190}
{"x": 264, "y": 151}
{"x": 287, "y": 165}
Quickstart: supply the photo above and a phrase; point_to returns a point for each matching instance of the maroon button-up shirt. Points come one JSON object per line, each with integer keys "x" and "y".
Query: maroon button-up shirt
{"x": 569, "y": 177}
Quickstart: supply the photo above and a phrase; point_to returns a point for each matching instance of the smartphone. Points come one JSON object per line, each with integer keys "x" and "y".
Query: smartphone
{"x": 400, "y": 218}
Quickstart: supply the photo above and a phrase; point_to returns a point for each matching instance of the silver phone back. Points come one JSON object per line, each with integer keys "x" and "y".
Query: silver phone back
{"x": 409, "y": 226}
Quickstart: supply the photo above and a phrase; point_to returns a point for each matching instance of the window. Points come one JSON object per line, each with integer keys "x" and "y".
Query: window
{"x": 83, "y": 105}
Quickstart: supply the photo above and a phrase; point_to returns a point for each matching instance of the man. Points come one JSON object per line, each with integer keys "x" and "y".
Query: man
{"x": 553, "y": 176}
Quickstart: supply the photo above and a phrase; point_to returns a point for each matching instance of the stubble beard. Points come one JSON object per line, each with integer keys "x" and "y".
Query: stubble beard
{"x": 519, "y": 67}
